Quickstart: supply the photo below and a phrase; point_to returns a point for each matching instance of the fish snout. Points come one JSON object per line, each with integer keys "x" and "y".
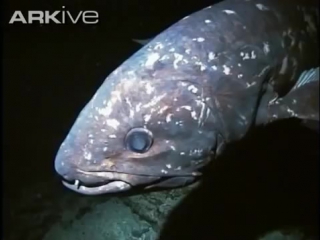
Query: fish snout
{"x": 63, "y": 166}
{"x": 64, "y": 170}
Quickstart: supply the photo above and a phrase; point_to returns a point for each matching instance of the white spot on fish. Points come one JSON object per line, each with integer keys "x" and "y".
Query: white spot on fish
{"x": 180, "y": 123}
{"x": 173, "y": 148}
{"x": 250, "y": 84}
{"x": 211, "y": 56}
{"x": 194, "y": 115}
{"x": 199, "y": 39}
{"x": 164, "y": 171}
{"x": 87, "y": 155}
{"x": 292, "y": 113}
{"x": 246, "y": 56}
{"x": 152, "y": 58}
{"x": 214, "y": 67}
{"x": 171, "y": 49}
{"x": 229, "y": 11}
{"x": 284, "y": 65}
{"x": 262, "y": 7}
{"x": 243, "y": 117}
{"x": 186, "y": 107}
{"x": 178, "y": 58}
{"x": 202, "y": 66}
{"x": 291, "y": 36}
{"x": 187, "y": 51}
{"x": 149, "y": 88}
{"x": 154, "y": 101}
{"x": 113, "y": 123}
{"x": 128, "y": 102}
{"x": 240, "y": 75}
{"x": 105, "y": 149}
{"x": 182, "y": 153}
{"x": 168, "y": 166}
{"x": 112, "y": 136}
{"x": 207, "y": 21}
{"x": 168, "y": 117}
{"x": 226, "y": 70}
{"x": 239, "y": 64}
{"x": 203, "y": 106}
{"x": 266, "y": 47}
{"x": 104, "y": 111}
{"x": 193, "y": 89}
{"x": 195, "y": 152}
{"x": 138, "y": 107}
{"x": 163, "y": 109}
{"x": 131, "y": 113}
{"x": 253, "y": 55}
{"x": 147, "y": 117}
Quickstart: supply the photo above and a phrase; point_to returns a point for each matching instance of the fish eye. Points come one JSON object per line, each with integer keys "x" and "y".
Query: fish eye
{"x": 139, "y": 140}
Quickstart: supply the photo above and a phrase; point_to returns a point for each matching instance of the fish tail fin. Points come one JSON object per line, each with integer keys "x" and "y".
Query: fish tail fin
{"x": 301, "y": 102}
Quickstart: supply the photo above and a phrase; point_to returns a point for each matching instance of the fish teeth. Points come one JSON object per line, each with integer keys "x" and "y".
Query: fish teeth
{"x": 77, "y": 183}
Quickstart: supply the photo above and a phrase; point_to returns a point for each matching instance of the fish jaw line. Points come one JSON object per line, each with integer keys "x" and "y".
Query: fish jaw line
{"x": 111, "y": 187}
{"x": 115, "y": 182}
{"x": 111, "y": 182}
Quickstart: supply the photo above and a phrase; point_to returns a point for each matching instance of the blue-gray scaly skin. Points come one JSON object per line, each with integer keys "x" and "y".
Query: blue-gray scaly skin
{"x": 194, "y": 87}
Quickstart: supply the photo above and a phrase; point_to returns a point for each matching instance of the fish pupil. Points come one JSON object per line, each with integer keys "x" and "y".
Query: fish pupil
{"x": 139, "y": 141}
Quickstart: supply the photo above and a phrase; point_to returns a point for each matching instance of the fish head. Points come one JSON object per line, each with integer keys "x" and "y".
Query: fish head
{"x": 140, "y": 130}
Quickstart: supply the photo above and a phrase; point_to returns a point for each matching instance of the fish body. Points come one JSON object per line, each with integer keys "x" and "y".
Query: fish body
{"x": 170, "y": 109}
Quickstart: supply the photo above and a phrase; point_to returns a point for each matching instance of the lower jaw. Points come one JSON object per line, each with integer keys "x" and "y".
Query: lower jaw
{"x": 111, "y": 187}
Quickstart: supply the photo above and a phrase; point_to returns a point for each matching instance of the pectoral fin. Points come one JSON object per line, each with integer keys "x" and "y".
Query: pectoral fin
{"x": 302, "y": 101}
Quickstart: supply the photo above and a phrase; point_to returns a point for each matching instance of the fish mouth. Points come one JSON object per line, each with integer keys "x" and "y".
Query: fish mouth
{"x": 111, "y": 187}
{"x": 97, "y": 182}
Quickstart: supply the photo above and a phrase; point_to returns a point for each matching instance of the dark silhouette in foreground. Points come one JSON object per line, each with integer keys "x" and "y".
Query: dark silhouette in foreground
{"x": 266, "y": 182}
